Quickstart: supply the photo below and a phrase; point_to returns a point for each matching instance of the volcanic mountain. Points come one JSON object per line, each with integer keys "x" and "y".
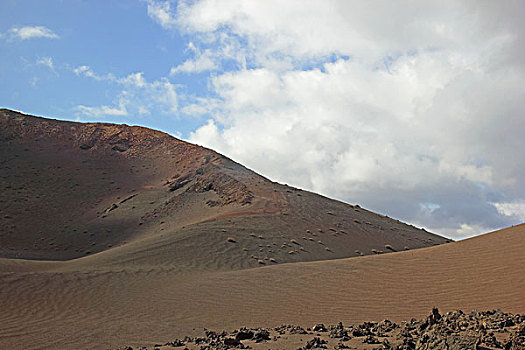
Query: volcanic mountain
{"x": 112, "y": 235}
{"x": 71, "y": 190}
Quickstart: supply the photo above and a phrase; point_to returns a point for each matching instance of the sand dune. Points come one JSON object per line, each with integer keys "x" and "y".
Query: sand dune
{"x": 64, "y": 307}
{"x": 197, "y": 241}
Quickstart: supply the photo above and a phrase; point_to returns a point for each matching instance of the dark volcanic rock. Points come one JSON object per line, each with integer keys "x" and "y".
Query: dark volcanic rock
{"x": 338, "y": 331}
{"x": 261, "y": 335}
{"x": 369, "y": 339}
{"x": 283, "y": 329}
{"x": 385, "y": 327}
{"x": 489, "y": 330}
{"x": 517, "y": 341}
{"x": 319, "y": 328}
{"x": 176, "y": 343}
{"x": 232, "y": 342}
{"x": 316, "y": 343}
{"x": 244, "y": 334}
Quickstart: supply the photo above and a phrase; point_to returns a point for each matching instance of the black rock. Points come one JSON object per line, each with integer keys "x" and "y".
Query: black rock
{"x": 371, "y": 340}
{"x": 244, "y": 334}
{"x": 319, "y": 328}
{"x": 338, "y": 331}
{"x": 261, "y": 335}
{"x": 316, "y": 343}
{"x": 176, "y": 343}
{"x": 231, "y": 342}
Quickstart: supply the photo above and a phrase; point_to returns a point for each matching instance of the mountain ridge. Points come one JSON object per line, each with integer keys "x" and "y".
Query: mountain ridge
{"x": 75, "y": 189}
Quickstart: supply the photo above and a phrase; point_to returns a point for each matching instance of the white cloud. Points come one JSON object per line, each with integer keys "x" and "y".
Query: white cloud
{"x": 203, "y": 62}
{"x": 88, "y": 72}
{"x": 512, "y": 209}
{"x": 467, "y": 231}
{"x": 30, "y": 32}
{"x": 161, "y": 12}
{"x": 411, "y": 109}
{"x": 102, "y": 110}
{"x": 201, "y": 106}
{"x": 47, "y": 62}
{"x": 136, "y": 97}
{"x": 304, "y": 30}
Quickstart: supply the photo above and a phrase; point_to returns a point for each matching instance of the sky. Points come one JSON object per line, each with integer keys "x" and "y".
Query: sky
{"x": 414, "y": 109}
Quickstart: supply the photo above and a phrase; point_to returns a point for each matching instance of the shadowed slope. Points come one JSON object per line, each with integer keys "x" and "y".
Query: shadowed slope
{"x": 143, "y": 197}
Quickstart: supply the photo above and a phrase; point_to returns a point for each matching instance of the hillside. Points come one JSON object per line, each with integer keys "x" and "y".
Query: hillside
{"x": 71, "y": 190}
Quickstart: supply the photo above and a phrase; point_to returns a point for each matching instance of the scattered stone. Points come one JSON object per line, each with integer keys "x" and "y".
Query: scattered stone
{"x": 112, "y": 207}
{"x": 176, "y": 343}
{"x": 290, "y": 329}
{"x": 316, "y": 343}
{"x": 244, "y": 334}
{"x": 338, "y": 331}
{"x": 232, "y": 342}
{"x": 128, "y": 198}
{"x": 319, "y": 328}
{"x": 385, "y": 327}
{"x": 369, "y": 339}
{"x": 261, "y": 335}
{"x": 488, "y": 330}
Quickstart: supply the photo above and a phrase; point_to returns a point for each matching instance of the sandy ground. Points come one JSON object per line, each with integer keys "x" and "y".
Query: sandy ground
{"x": 64, "y": 308}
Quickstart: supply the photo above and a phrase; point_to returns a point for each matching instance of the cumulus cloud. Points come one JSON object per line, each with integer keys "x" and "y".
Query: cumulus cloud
{"x": 30, "y": 32}
{"x": 414, "y": 110}
{"x": 200, "y": 106}
{"x": 137, "y": 96}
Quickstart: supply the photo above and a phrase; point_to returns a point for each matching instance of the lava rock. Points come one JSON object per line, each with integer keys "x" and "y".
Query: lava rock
{"x": 316, "y": 343}
{"x": 244, "y": 334}
{"x": 319, "y": 328}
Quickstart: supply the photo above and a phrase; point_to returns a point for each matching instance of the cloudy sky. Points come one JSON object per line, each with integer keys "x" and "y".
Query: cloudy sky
{"x": 413, "y": 109}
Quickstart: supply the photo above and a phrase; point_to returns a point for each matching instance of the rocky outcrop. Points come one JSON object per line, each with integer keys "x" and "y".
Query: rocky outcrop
{"x": 454, "y": 330}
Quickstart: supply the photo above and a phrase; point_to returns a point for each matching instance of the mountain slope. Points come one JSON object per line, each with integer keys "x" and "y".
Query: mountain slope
{"x": 139, "y": 196}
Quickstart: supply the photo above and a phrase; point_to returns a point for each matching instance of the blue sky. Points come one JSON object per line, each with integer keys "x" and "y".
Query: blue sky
{"x": 111, "y": 37}
{"x": 412, "y": 110}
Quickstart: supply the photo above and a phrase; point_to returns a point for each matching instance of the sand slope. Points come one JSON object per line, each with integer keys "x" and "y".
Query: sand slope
{"x": 142, "y": 306}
